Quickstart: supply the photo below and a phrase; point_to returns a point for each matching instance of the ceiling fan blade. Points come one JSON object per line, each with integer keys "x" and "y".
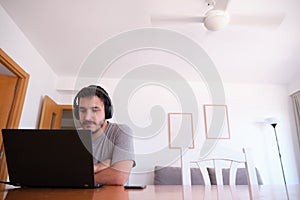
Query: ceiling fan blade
{"x": 221, "y": 5}
{"x": 176, "y": 19}
{"x": 257, "y": 20}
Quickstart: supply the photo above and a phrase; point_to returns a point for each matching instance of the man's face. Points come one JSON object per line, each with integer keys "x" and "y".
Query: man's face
{"x": 91, "y": 113}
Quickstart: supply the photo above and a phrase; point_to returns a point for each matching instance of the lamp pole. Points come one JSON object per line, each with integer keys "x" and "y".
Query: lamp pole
{"x": 286, "y": 190}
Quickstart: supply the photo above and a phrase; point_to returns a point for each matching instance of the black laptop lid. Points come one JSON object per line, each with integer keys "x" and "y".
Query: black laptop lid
{"x": 49, "y": 158}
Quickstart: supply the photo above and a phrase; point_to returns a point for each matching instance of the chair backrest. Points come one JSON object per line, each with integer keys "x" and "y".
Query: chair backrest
{"x": 222, "y": 171}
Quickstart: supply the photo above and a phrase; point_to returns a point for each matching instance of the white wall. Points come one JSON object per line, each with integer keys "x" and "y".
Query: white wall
{"x": 294, "y": 86}
{"x": 248, "y": 105}
{"x": 42, "y": 78}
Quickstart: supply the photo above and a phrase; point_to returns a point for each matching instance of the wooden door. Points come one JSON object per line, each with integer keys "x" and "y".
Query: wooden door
{"x": 51, "y": 114}
{"x": 7, "y": 93}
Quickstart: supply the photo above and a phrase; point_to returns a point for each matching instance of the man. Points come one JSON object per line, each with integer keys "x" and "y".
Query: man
{"x": 112, "y": 143}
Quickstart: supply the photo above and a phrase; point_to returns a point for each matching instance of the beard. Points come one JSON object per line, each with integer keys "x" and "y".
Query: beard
{"x": 88, "y": 123}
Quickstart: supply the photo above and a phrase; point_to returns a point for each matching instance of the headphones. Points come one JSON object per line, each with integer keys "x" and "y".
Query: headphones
{"x": 93, "y": 90}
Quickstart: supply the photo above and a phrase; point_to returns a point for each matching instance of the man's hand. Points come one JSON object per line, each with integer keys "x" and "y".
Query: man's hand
{"x": 102, "y": 165}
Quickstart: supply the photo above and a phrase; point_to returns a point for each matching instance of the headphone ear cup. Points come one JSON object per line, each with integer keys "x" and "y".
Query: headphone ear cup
{"x": 108, "y": 111}
{"x": 76, "y": 112}
{"x": 76, "y": 108}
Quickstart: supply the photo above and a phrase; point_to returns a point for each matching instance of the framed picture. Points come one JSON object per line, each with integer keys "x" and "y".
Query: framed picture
{"x": 216, "y": 121}
{"x": 181, "y": 133}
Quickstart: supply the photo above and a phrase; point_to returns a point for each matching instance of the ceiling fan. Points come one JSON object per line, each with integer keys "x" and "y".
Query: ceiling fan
{"x": 216, "y": 17}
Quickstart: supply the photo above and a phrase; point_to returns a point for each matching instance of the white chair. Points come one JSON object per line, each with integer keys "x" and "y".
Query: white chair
{"x": 216, "y": 171}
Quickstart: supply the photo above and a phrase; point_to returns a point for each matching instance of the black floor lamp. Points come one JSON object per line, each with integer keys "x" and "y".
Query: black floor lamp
{"x": 273, "y": 122}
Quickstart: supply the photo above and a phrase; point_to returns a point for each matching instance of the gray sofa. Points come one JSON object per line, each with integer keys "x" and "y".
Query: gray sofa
{"x": 172, "y": 176}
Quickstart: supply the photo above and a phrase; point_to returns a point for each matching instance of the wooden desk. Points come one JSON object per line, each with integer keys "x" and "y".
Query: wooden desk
{"x": 154, "y": 192}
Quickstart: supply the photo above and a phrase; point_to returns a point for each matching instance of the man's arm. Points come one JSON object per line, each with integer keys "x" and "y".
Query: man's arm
{"x": 117, "y": 174}
{"x": 102, "y": 165}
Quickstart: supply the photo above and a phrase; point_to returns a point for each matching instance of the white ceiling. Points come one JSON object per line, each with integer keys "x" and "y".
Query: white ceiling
{"x": 264, "y": 48}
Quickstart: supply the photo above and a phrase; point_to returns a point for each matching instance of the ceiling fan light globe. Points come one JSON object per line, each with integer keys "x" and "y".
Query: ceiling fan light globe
{"x": 216, "y": 20}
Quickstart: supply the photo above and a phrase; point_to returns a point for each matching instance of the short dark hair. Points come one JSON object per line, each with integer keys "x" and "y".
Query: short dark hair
{"x": 93, "y": 90}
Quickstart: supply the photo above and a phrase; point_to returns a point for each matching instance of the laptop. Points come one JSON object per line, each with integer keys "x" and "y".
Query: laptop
{"x": 49, "y": 158}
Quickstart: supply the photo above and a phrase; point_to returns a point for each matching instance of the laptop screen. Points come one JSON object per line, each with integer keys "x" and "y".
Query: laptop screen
{"x": 49, "y": 158}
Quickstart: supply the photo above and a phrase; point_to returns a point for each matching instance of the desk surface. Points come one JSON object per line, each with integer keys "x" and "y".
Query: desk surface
{"x": 153, "y": 192}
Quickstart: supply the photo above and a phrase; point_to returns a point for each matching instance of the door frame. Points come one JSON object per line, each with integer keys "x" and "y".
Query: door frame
{"x": 22, "y": 83}
{"x": 17, "y": 104}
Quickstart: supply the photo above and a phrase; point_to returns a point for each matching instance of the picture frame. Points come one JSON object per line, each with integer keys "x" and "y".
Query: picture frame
{"x": 180, "y": 130}
{"x": 216, "y": 121}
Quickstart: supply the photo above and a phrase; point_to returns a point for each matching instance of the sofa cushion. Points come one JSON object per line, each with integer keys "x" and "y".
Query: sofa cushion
{"x": 172, "y": 176}
{"x": 241, "y": 176}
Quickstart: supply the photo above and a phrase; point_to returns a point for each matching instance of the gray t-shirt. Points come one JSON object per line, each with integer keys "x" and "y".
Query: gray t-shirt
{"x": 116, "y": 144}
